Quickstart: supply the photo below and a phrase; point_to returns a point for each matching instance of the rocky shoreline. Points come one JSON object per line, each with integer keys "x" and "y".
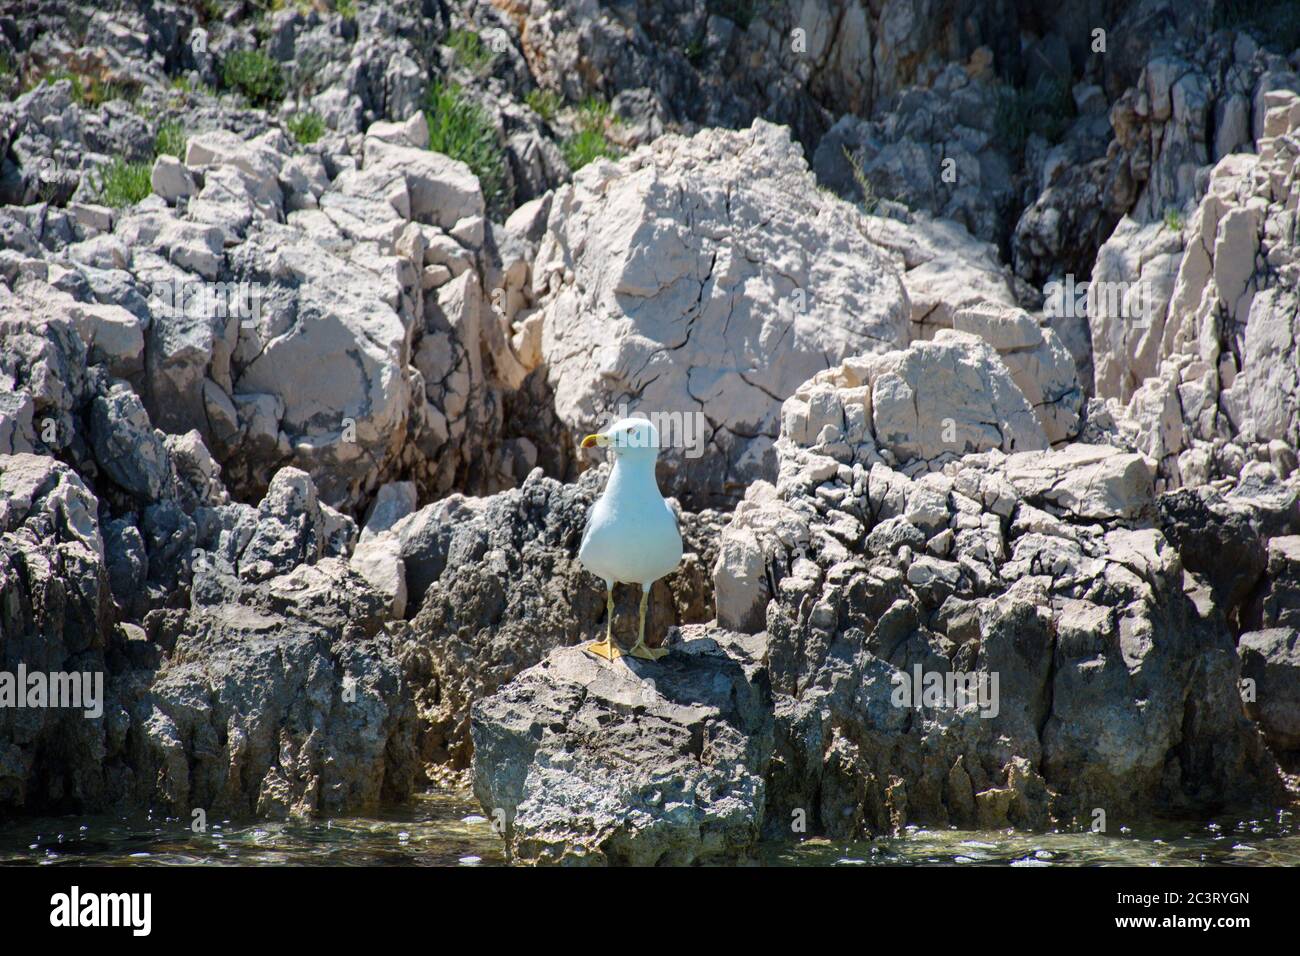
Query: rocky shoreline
{"x": 302, "y": 309}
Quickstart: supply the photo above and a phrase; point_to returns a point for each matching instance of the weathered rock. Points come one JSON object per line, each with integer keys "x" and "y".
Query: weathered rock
{"x": 637, "y": 763}
{"x": 1040, "y": 364}
{"x": 679, "y": 283}
{"x": 924, "y": 404}
{"x": 1211, "y": 380}
{"x": 497, "y": 585}
{"x": 1271, "y": 660}
{"x": 1051, "y": 582}
{"x": 283, "y": 694}
{"x": 55, "y": 619}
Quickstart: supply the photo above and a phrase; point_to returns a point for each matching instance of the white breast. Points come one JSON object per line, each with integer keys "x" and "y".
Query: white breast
{"x": 631, "y": 536}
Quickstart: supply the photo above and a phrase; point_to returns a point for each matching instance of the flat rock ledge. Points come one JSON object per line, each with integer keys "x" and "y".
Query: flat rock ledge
{"x": 638, "y": 763}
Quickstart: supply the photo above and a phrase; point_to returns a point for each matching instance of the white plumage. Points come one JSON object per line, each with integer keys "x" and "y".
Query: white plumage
{"x": 631, "y": 535}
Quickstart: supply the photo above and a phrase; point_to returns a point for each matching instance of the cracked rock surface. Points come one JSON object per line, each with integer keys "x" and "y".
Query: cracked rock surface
{"x": 640, "y": 763}
{"x": 706, "y": 276}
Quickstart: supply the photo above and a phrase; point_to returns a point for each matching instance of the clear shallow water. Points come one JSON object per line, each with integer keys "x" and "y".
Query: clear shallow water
{"x": 447, "y": 829}
{"x": 1274, "y": 842}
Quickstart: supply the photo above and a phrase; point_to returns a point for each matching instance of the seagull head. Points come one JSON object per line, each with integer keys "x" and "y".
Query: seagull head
{"x": 635, "y": 439}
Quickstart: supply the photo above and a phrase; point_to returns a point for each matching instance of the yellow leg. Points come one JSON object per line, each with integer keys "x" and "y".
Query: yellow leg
{"x": 640, "y": 648}
{"x": 607, "y": 648}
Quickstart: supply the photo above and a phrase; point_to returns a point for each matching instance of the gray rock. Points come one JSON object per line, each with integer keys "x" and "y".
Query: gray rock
{"x": 1271, "y": 660}
{"x": 636, "y": 763}
{"x": 495, "y": 585}
{"x": 126, "y": 445}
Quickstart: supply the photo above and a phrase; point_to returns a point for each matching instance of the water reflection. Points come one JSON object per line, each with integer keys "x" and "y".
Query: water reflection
{"x": 447, "y": 829}
{"x": 1273, "y": 842}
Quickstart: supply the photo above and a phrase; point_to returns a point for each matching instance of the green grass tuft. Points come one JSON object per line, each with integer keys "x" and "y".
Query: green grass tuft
{"x": 589, "y": 141}
{"x": 306, "y": 127}
{"x": 255, "y": 75}
{"x": 470, "y": 50}
{"x": 170, "y": 140}
{"x": 545, "y": 103}
{"x": 87, "y": 90}
{"x": 870, "y": 201}
{"x": 459, "y": 128}
{"x": 123, "y": 183}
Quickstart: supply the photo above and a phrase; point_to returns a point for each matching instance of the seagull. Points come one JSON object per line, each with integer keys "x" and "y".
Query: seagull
{"x": 631, "y": 535}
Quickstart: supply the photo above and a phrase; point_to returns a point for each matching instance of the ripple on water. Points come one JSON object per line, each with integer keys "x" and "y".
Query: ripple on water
{"x": 445, "y": 829}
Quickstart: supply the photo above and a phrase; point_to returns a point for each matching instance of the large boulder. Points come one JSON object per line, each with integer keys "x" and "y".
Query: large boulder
{"x": 682, "y": 281}
{"x": 583, "y": 761}
{"x": 1006, "y": 640}
{"x": 55, "y": 618}
{"x": 494, "y": 585}
{"x": 914, "y": 408}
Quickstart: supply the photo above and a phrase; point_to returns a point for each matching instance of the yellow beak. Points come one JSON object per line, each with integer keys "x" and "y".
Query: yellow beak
{"x": 591, "y": 441}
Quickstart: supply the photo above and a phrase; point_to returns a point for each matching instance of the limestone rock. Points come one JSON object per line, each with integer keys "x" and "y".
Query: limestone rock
{"x": 678, "y": 282}
{"x": 637, "y": 763}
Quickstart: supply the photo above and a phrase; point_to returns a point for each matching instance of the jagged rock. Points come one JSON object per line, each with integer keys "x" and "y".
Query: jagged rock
{"x": 283, "y": 694}
{"x": 1092, "y": 482}
{"x": 55, "y": 618}
{"x": 1040, "y": 365}
{"x": 1271, "y": 659}
{"x": 944, "y": 269}
{"x": 678, "y": 283}
{"x": 636, "y": 763}
{"x": 497, "y": 585}
{"x": 1279, "y": 603}
{"x": 126, "y": 446}
{"x": 1229, "y": 538}
{"x": 1054, "y": 582}
{"x": 924, "y": 404}
{"x": 170, "y": 179}
{"x": 937, "y": 151}
{"x": 1212, "y": 381}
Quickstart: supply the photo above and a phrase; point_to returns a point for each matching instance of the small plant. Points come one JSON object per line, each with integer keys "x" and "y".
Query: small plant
{"x": 459, "y": 128}
{"x": 739, "y": 12}
{"x": 869, "y": 202}
{"x": 1174, "y": 219}
{"x": 469, "y": 50}
{"x": 6, "y": 64}
{"x": 1047, "y": 110}
{"x": 696, "y": 51}
{"x": 545, "y": 103}
{"x": 123, "y": 183}
{"x": 306, "y": 127}
{"x": 86, "y": 90}
{"x": 346, "y": 9}
{"x": 255, "y": 75}
{"x": 170, "y": 140}
{"x": 589, "y": 141}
